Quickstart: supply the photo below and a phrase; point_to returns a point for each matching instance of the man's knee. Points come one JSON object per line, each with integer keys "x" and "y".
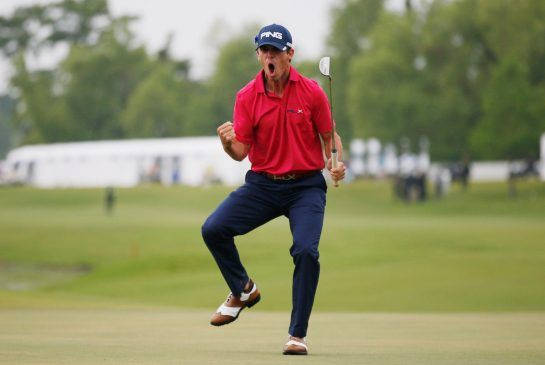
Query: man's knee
{"x": 307, "y": 252}
{"x": 213, "y": 230}
{"x": 210, "y": 230}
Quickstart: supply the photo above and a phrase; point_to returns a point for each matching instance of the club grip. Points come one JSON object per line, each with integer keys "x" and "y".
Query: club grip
{"x": 334, "y": 164}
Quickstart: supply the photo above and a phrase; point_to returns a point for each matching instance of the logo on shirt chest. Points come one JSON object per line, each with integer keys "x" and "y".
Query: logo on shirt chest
{"x": 295, "y": 111}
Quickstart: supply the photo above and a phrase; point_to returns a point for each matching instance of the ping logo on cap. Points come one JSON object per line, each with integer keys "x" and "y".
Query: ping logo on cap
{"x": 277, "y": 35}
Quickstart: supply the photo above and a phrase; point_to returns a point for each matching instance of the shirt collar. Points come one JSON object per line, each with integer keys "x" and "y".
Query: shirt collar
{"x": 260, "y": 81}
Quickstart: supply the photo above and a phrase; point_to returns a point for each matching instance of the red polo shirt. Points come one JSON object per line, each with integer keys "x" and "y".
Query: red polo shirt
{"x": 283, "y": 131}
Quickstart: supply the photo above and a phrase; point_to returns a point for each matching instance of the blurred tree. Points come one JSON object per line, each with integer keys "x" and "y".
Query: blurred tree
{"x": 352, "y": 22}
{"x": 513, "y": 115}
{"x": 7, "y": 105}
{"x": 236, "y": 65}
{"x": 159, "y": 105}
{"x": 79, "y": 99}
{"x": 84, "y": 98}
{"x": 77, "y": 21}
{"x": 480, "y": 51}
{"x": 455, "y": 62}
{"x": 16, "y": 31}
{"x": 387, "y": 92}
{"x": 309, "y": 68}
{"x": 468, "y": 74}
{"x": 40, "y": 115}
{"x": 444, "y": 70}
{"x": 413, "y": 82}
{"x": 513, "y": 99}
{"x": 34, "y": 27}
{"x": 200, "y": 119}
{"x": 97, "y": 82}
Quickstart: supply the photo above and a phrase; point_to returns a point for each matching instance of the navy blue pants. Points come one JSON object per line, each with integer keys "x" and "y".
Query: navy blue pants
{"x": 256, "y": 202}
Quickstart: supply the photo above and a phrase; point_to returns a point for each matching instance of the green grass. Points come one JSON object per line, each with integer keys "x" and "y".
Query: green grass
{"x": 470, "y": 251}
{"x": 173, "y": 336}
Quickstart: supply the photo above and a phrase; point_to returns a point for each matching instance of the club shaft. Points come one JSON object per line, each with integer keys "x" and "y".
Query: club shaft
{"x": 333, "y": 130}
{"x": 334, "y": 160}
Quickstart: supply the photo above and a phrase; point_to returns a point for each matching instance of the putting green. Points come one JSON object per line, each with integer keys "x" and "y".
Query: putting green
{"x": 168, "y": 336}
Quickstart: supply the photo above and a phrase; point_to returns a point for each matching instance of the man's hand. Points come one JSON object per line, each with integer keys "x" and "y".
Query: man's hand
{"x": 337, "y": 174}
{"x": 237, "y": 150}
{"x": 226, "y": 132}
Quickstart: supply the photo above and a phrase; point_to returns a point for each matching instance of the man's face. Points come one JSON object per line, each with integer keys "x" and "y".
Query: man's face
{"x": 275, "y": 62}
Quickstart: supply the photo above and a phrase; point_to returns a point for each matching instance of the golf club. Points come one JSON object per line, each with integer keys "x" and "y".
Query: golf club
{"x": 324, "y": 65}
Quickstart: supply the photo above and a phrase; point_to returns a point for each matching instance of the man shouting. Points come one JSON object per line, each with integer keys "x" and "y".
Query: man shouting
{"x": 279, "y": 118}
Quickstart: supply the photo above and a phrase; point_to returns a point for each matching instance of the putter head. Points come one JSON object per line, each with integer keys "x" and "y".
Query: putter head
{"x": 324, "y": 66}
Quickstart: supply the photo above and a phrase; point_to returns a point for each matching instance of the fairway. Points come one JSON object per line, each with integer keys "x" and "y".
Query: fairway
{"x": 166, "y": 336}
{"x": 457, "y": 280}
{"x": 471, "y": 251}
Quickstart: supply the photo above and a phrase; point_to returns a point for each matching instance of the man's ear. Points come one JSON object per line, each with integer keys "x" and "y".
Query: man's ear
{"x": 291, "y": 52}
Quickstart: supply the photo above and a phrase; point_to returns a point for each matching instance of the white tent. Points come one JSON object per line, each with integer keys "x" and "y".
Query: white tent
{"x": 188, "y": 160}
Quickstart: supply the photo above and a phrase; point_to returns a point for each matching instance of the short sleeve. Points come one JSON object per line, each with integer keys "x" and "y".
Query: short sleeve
{"x": 242, "y": 122}
{"x": 321, "y": 114}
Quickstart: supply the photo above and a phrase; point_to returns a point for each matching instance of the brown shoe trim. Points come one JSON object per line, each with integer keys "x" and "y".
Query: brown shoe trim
{"x": 219, "y": 319}
{"x": 295, "y": 350}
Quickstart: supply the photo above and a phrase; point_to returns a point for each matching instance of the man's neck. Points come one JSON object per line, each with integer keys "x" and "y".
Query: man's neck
{"x": 277, "y": 87}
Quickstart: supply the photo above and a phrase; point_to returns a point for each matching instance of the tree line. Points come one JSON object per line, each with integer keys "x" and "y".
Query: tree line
{"x": 468, "y": 74}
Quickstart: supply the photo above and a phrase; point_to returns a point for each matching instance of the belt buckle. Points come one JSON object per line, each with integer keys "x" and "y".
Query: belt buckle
{"x": 285, "y": 177}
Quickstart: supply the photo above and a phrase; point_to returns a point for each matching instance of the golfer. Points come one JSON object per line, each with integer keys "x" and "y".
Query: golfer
{"x": 278, "y": 120}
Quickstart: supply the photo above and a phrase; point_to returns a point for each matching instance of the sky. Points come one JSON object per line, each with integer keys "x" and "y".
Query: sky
{"x": 198, "y": 25}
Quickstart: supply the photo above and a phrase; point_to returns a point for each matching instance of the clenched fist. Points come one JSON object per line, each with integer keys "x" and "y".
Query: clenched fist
{"x": 226, "y": 132}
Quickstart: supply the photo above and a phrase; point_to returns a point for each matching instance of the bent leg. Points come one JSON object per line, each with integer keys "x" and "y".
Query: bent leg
{"x": 242, "y": 211}
{"x": 306, "y": 217}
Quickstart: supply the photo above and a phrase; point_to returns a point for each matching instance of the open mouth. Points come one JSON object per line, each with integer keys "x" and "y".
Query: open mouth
{"x": 271, "y": 67}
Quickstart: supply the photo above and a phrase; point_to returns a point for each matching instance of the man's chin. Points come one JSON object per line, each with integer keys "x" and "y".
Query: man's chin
{"x": 276, "y": 76}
